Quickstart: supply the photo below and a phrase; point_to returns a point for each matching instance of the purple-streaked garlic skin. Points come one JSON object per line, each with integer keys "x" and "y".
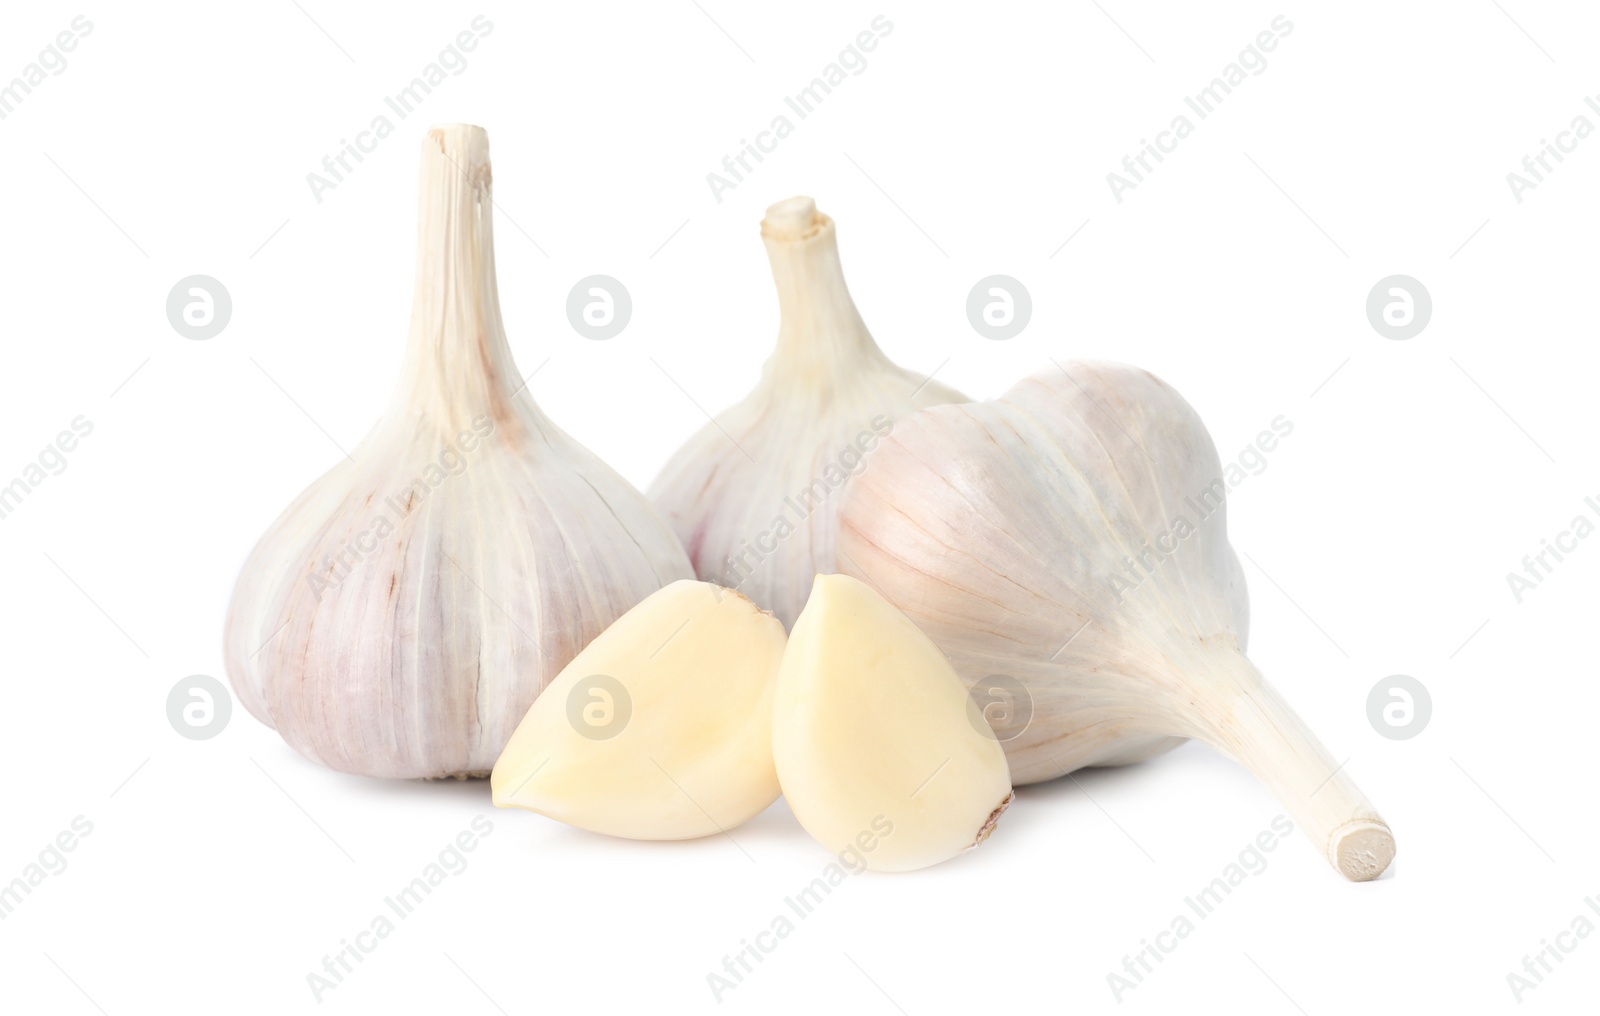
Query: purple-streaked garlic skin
{"x": 1067, "y": 545}
{"x": 399, "y": 618}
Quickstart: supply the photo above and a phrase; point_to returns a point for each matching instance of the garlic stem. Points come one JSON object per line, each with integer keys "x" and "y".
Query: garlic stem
{"x": 458, "y": 362}
{"x": 820, "y": 332}
{"x": 1242, "y": 716}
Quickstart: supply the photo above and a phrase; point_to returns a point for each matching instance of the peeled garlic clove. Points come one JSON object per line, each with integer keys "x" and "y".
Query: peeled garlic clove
{"x": 662, "y": 728}
{"x": 879, "y": 748}
{"x": 404, "y": 611}
{"x": 754, "y": 495}
{"x": 1070, "y": 538}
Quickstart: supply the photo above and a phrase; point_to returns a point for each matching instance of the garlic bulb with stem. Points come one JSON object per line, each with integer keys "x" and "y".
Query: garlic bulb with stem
{"x": 402, "y": 614}
{"x": 1069, "y": 538}
{"x": 879, "y": 748}
{"x": 661, "y": 728}
{"x": 754, "y": 494}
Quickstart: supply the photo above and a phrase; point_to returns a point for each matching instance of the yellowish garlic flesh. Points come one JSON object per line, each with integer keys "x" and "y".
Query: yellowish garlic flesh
{"x": 879, "y": 748}
{"x": 754, "y": 494}
{"x": 661, "y": 729}
{"x": 406, "y": 609}
{"x": 1068, "y": 543}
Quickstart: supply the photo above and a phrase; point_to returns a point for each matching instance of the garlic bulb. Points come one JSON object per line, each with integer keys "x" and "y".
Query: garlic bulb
{"x": 754, "y": 494}
{"x": 1069, "y": 538}
{"x": 661, "y": 729}
{"x": 399, "y": 618}
{"x": 880, "y": 750}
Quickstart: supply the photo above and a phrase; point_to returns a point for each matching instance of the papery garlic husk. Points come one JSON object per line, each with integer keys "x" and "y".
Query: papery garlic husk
{"x": 1013, "y": 532}
{"x": 661, "y": 729}
{"x": 881, "y": 753}
{"x": 754, "y": 495}
{"x": 402, "y": 614}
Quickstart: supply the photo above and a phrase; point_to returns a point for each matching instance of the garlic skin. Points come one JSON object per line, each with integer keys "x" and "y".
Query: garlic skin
{"x": 876, "y": 739}
{"x": 402, "y": 614}
{"x": 661, "y": 729}
{"x": 1013, "y": 531}
{"x": 754, "y": 495}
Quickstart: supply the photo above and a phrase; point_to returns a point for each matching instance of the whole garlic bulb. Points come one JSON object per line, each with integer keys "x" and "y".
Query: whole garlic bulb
{"x": 1067, "y": 545}
{"x": 754, "y": 495}
{"x": 401, "y": 615}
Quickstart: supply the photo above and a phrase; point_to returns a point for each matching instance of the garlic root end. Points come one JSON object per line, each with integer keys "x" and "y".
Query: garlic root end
{"x": 792, "y": 219}
{"x": 992, "y": 821}
{"x": 1361, "y": 849}
{"x": 1254, "y": 725}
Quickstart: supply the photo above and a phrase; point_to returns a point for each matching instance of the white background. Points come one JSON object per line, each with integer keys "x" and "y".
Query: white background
{"x": 220, "y": 873}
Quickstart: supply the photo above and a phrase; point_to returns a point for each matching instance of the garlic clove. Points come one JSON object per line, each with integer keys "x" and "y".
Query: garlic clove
{"x": 661, "y": 729}
{"x": 1071, "y": 536}
{"x": 879, "y": 748}
{"x": 406, "y": 609}
{"x": 754, "y": 494}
